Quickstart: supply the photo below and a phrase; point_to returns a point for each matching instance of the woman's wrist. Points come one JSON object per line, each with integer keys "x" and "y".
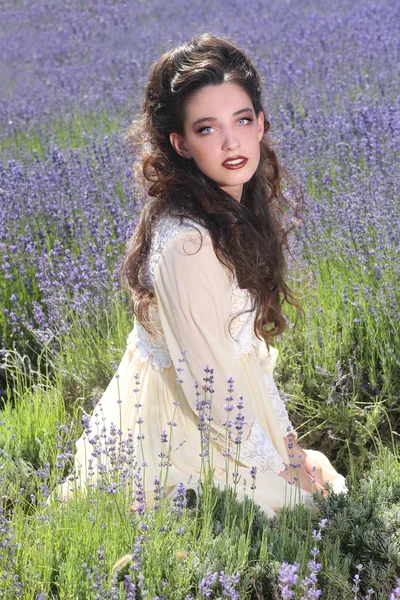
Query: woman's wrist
{"x": 295, "y": 452}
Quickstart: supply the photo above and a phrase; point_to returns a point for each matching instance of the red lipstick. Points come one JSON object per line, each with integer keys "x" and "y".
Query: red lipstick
{"x": 235, "y": 162}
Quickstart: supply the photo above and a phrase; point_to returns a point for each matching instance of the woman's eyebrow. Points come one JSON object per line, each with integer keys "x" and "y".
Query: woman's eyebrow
{"x": 238, "y": 112}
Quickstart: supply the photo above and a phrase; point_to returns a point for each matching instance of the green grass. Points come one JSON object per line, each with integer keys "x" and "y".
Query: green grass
{"x": 69, "y": 130}
{"x": 341, "y": 376}
{"x": 60, "y": 546}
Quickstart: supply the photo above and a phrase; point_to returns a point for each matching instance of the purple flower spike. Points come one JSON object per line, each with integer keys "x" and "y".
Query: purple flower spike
{"x": 396, "y": 592}
{"x": 206, "y": 584}
{"x": 287, "y": 578}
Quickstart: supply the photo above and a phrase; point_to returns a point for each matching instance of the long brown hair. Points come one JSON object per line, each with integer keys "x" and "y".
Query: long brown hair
{"x": 249, "y": 237}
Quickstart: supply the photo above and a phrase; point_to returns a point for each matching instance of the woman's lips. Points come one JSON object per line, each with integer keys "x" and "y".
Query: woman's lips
{"x": 235, "y": 163}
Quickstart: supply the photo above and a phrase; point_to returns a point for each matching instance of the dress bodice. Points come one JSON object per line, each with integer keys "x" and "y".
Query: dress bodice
{"x": 143, "y": 346}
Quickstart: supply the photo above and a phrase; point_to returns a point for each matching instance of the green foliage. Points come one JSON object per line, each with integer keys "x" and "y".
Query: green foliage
{"x": 340, "y": 368}
{"x": 60, "y": 544}
{"x": 29, "y": 420}
{"x": 85, "y": 353}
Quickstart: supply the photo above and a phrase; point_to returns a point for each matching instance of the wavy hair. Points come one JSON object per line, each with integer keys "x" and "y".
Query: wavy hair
{"x": 249, "y": 237}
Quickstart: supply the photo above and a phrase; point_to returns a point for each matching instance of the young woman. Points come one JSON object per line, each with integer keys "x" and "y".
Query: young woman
{"x": 205, "y": 269}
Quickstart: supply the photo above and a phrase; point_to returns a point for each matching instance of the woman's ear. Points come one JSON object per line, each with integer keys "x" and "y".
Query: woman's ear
{"x": 179, "y": 144}
{"x": 260, "y": 121}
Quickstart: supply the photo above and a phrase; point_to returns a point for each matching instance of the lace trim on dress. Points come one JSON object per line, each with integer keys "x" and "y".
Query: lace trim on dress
{"x": 165, "y": 231}
{"x": 279, "y": 407}
{"x": 258, "y": 451}
{"x": 242, "y": 325}
{"x": 141, "y": 346}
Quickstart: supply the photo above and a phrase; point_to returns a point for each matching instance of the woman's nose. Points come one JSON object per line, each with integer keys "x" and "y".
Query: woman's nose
{"x": 231, "y": 142}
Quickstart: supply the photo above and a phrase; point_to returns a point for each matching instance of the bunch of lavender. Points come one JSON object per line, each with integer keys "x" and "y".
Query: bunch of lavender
{"x": 288, "y": 574}
{"x": 96, "y": 576}
{"x": 227, "y": 450}
{"x": 203, "y": 408}
{"x": 309, "y": 584}
{"x": 239, "y": 422}
{"x": 208, "y": 586}
{"x": 9, "y": 580}
{"x": 396, "y": 592}
{"x": 129, "y": 570}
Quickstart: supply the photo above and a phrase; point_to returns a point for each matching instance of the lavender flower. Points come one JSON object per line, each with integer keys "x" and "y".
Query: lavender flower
{"x": 309, "y": 584}
{"x": 253, "y": 474}
{"x": 129, "y": 588}
{"x": 206, "y": 584}
{"x": 180, "y": 500}
{"x": 287, "y": 578}
{"x": 396, "y": 592}
{"x": 228, "y": 583}
{"x": 157, "y": 493}
{"x": 356, "y": 579}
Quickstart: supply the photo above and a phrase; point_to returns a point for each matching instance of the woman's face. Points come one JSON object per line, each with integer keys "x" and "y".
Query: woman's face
{"x": 220, "y": 125}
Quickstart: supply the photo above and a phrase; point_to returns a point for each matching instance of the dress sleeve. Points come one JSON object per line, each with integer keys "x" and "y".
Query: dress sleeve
{"x": 267, "y": 359}
{"x": 194, "y": 301}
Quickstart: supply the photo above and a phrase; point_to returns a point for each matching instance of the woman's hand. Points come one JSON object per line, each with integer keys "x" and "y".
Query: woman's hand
{"x": 308, "y": 471}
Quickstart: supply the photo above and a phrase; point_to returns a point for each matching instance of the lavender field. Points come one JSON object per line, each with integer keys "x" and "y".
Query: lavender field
{"x": 72, "y": 78}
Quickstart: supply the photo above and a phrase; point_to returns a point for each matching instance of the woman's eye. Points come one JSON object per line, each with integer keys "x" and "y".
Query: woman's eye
{"x": 203, "y": 129}
{"x": 245, "y": 119}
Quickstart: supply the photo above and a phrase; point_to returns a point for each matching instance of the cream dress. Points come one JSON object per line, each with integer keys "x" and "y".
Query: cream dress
{"x": 195, "y": 297}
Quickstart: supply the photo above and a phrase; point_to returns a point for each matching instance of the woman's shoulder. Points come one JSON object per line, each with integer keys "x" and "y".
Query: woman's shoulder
{"x": 172, "y": 232}
{"x": 168, "y": 228}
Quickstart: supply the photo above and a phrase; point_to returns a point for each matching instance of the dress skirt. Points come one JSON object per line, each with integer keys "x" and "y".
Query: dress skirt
{"x": 138, "y": 392}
